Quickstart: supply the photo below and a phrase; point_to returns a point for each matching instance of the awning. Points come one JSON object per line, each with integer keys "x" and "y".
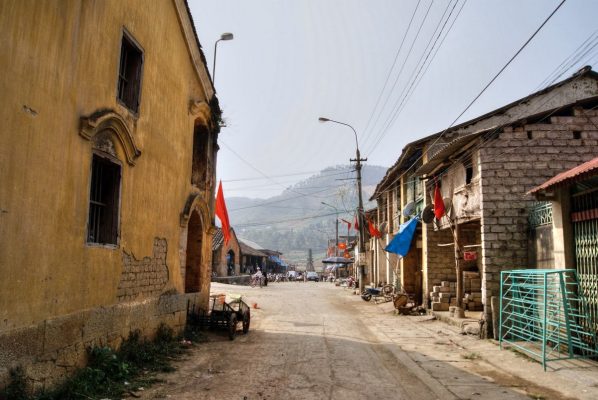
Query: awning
{"x": 579, "y": 172}
{"x": 337, "y": 260}
{"x": 278, "y": 260}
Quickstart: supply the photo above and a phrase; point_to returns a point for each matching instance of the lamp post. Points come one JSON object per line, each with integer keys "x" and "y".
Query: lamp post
{"x": 336, "y": 210}
{"x": 358, "y": 161}
{"x": 224, "y": 36}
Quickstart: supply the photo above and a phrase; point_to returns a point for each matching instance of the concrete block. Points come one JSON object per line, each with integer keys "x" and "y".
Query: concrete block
{"x": 445, "y": 295}
{"x": 445, "y": 284}
{"x": 445, "y": 299}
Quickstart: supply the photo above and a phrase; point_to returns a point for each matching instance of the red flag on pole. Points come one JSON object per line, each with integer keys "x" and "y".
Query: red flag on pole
{"x": 222, "y": 213}
{"x": 438, "y": 203}
{"x": 373, "y": 231}
{"x": 356, "y": 223}
{"x": 347, "y": 222}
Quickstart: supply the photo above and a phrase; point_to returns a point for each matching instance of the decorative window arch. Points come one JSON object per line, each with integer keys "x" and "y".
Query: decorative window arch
{"x": 103, "y": 121}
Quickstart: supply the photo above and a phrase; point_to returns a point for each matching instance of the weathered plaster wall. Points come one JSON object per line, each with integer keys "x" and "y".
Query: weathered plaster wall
{"x": 62, "y": 58}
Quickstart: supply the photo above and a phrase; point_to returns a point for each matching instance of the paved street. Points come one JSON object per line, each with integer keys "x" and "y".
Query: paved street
{"x": 317, "y": 341}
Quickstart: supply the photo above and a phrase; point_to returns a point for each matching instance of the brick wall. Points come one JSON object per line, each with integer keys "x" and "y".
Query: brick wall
{"x": 517, "y": 161}
{"x": 219, "y": 259}
{"x": 146, "y": 277}
{"x": 440, "y": 259}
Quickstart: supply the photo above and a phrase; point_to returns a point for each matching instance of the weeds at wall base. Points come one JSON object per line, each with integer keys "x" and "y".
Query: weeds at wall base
{"x": 112, "y": 373}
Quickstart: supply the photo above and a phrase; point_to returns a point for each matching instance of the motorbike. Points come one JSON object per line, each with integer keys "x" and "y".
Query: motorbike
{"x": 382, "y": 294}
{"x": 368, "y": 293}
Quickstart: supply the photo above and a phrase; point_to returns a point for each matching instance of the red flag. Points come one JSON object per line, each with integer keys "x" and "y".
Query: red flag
{"x": 356, "y": 223}
{"x": 347, "y": 222}
{"x": 438, "y": 203}
{"x": 373, "y": 231}
{"x": 222, "y": 214}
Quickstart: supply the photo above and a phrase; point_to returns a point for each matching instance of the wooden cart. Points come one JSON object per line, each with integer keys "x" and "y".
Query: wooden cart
{"x": 226, "y": 315}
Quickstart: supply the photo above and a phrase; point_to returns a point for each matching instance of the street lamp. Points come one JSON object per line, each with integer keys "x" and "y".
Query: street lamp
{"x": 224, "y": 36}
{"x": 358, "y": 161}
{"x": 336, "y": 210}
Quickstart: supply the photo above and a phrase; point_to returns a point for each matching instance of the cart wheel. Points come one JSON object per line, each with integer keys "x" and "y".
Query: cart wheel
{"x": 246, "y": 321}
{"x": 366, "y": 296}
{"x": 232, "y": 327}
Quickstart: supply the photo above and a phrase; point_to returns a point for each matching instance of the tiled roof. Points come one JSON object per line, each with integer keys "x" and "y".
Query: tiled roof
{"x": 581, "y": 171}
{"x": 217, "y": 239}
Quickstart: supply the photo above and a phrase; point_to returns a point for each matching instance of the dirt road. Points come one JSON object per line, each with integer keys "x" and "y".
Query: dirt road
{"x": 316, "y": 341}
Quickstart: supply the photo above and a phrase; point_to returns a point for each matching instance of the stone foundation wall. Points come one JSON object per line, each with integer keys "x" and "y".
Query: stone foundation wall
{"x": 52, "y": 350}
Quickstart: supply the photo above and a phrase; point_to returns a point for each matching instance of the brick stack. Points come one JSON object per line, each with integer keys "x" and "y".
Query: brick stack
{"x": 443, "y": 296}
{"x": 472, "y": 287}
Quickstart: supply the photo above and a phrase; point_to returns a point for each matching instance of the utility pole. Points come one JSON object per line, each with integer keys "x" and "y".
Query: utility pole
{"x": 358, "y": 160}
{"x": 310, "y": 261}
{"x": 360, "y": 219}
{"x": 336, "y": 211}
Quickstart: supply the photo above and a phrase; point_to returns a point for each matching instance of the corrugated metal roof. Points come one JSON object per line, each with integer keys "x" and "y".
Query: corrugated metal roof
{"x": 448, "y": 150}
{"x": 581, "y": 171}
{"x": 250, "y": 248}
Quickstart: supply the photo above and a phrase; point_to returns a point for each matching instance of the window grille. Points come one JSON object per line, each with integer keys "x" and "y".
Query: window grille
{"x": 102, "y": 227}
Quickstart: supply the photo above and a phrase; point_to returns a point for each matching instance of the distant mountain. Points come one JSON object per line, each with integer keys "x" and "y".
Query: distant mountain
{"x": 296, "y": 220}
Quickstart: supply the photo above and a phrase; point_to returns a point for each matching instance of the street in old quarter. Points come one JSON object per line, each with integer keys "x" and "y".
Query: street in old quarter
{"x": 318, "y": 341}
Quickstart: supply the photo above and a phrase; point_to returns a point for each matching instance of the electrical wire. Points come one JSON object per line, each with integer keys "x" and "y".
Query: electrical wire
{"x": 394, "y": 85}
{"x": 485, "y": 87}
{"x": 401, "y": 100}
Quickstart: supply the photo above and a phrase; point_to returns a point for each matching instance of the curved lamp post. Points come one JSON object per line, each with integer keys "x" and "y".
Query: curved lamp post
{"x": 336, "y": 210}
{"x": 358, "y": 161}
{"x": 224, "y": 36}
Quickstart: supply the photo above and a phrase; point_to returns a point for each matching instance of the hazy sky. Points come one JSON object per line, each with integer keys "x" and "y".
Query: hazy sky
{"x": 293, "y": 61}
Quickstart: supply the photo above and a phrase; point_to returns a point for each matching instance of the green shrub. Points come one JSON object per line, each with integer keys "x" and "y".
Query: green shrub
{"x": 108, "y": 373}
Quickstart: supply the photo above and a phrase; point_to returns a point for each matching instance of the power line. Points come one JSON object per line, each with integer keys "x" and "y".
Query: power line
{"x": 366, "y": 137}
{"x": 392, "y": 67}
{"x": 489, "y": 136}
{"x": 292, "y": 174}
{"x": 486, "y": 87}
{"x": 407, "y": 89}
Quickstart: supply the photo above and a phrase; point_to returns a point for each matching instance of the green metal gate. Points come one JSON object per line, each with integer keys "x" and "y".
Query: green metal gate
{"x": 584, "y": 216}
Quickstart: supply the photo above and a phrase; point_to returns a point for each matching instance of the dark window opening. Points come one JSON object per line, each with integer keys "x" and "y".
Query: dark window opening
{"x": 129, "y": 74}
{"x": 468, "y": 175}
{"x": 102, "y": 225}
{"x": 529, "y": 135}
{"x": 199, "y": 169}
{"x": 576, "y": 135}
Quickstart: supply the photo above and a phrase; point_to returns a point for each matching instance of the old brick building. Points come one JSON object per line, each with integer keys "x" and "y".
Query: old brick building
{"x": 107, "y": 163}
{"x": 484, "y": 168}
{"x": 226, "y": 258}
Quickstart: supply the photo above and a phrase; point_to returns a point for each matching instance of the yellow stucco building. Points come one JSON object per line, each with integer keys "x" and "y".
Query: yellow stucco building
{"x": 107, "y": 163}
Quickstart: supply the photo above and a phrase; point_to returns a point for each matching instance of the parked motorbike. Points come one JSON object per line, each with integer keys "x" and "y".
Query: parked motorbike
{"x": 368, "y": 293}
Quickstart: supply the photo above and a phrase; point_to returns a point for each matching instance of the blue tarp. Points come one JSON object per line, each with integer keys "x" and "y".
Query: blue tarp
{"x": 401, "y": 243}
{"x": 278, "y": 261}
